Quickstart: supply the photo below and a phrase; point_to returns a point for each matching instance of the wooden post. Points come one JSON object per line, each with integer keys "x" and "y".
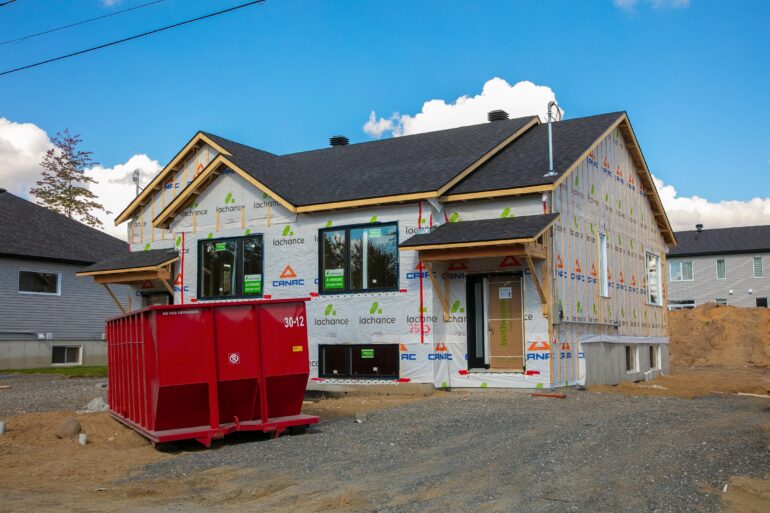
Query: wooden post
{"x": 115, "y": 298}
{"x": 438, "y": 291}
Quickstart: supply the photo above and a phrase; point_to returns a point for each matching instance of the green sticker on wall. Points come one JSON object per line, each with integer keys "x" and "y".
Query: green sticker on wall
{"x": 375, "y": 232}
{"x": 334, "y": 279}
{"x": 252, "y": 284}
{"x": 220, "y": 246}
{"x": 367, "y": 353}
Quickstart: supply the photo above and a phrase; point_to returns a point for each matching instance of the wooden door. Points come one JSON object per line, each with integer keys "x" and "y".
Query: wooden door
{"x": 505, "y": 328}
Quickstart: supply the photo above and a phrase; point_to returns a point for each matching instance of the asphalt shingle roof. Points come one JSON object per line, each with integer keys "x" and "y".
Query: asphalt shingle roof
{"x": 388, "y": 167}
{"x": 484, "y": 230}
{"x": 718, "y": 241}
{"x": 525, "y": 161}
{"x": 28, "y": 230}
{"x": 133, "y": 259}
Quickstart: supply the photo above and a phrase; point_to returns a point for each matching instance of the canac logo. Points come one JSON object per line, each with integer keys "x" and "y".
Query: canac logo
{"x": 288, "y": 278}
{"x": 440, "y": 352}
{"x": 287, "y": 238}
{"x": 330, "y": 317}
{"x": 509, "y": 261}
{"x": 230, "y": 205}
{"x": 417, "y": 273}
{"x": 376, "y": 316}
{"x": 592, "y": 159}
{"x": 606, "y": 169}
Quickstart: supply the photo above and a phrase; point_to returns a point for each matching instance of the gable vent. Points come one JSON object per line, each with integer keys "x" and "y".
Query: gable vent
{"x": 338, "y": 140}
{"x": 497, "y": 115}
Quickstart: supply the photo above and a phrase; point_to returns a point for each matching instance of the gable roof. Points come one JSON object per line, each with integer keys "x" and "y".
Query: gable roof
{"x": 28, "y": 230}
{"x": 524, "y": 162}
{"x": 721, "y": 241}
{"x": 482, "y": 232}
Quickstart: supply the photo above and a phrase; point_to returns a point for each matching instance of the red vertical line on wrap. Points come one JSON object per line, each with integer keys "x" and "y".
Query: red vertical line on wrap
{"x": 422, "y": 316}
{"x": 181, "y": 273}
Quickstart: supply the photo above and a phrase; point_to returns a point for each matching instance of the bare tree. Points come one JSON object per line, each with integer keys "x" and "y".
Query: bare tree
{"x": 63, "y": 187}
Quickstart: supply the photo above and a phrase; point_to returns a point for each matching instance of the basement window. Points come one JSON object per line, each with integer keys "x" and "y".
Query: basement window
{"x": 359, "y": 361}
{"x": 679, "y": 304}
{"x": 761, "y": 302}
{"x": 39, "y": 282}
{"x": 653, "y": 279}
{"x": 230, "y": 268}
{"x": 65, "y": 355}
{"x": 361, "y": 258}
{"x": 631, "y": 359}
{"x": 720, "y": 301}
{"x": 654, "y": 357}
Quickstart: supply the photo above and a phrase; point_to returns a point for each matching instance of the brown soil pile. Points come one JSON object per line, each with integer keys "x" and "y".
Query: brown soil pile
{"x": 720, "y": 335}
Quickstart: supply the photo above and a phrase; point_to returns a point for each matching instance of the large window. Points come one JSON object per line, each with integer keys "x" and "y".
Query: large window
{"x": 603, "y": 281}
{"x": 653, "y": 279}
{"x": 37, "y": 282}
{"x": 230, "y": 267}
{"x": 759, "y": 271}
{"x": 680, "y": 271}
{"x": 721, "y": 269}
{"x": 358, "y": 259}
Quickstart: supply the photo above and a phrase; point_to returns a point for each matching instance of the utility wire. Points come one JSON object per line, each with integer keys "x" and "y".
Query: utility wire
{"x": 124, "y": 40}
{"x": 82, "y": 22}
{"x": 6, "y": 3}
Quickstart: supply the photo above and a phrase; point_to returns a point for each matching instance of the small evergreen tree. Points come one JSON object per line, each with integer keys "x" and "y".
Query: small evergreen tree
{"x": 63, "y": 187}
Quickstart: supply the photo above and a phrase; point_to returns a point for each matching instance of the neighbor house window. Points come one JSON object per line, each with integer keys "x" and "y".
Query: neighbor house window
{"x": 721, "y": 269}
{"x": 630, "y": 358}
{"x": 653, "y": 279}
{"x": 762, "y": 302}
{"x": 680, "y": 271}
{"x": 674, "y": 304}
{"x": 65, "y": 355}
{"x": 758, "y": 269}
{"x": 360, "y": 258}
{"x": 38, "y": 282}
{"x": 721, "y": 301}
{"x": 230, "y": 267}
{"x": 603, "y": 281}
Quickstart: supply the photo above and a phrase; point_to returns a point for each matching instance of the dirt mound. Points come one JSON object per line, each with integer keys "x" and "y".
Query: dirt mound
{"x": 720, "y": 335}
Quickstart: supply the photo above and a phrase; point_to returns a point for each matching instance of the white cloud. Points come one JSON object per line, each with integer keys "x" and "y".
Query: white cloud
{"x": 110, "y": 3}
{"x": 115, "y": 188}
{"x": 22, "y": 147}
{"x": 685, "y": 212}
{"x": 521, "y": 99}
{"x": 630, "y": 5}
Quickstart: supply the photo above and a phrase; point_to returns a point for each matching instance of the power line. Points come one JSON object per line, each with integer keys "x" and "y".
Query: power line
{"x": 89, "y": 20}
{"x": 6, "y": 3}
{"x": 113, "y": 43}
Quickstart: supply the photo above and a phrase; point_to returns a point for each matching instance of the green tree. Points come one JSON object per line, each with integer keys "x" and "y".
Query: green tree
{"x": 63, "y": 186}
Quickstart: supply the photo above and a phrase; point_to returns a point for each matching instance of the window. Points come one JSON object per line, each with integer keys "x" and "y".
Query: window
{"x": 65, "y": 355}
{"x": 230, "y": 267}
{"x": 358, "y": 361}
{"x": 761, "y": 302}
{"x": 603, "y": 282}
{"x": 358, "y": 258}
{"x": 674, "y": 304}
{"x": 38, "y": 282}
{"x": 680, "y": 271}
{"x": 630, "y": 359}
{"x": 653, "y": 279}
{"x": 654, "y": 357}
{"x": 758, "y": 269}
{"x": 721, "y": 269}
{"x": 720, "y": 301}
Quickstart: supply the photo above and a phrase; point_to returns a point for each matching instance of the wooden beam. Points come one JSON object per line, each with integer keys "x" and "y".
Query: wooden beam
{"x": 115, "y": 298}
{"x": 130, "y": 269}
{"x": 167, "y": 286}
{"x": 133, "y": 277}
{"x": 437, "y": 290}
{"x": 538, "y": 286}
{"x": 439, "y": 255}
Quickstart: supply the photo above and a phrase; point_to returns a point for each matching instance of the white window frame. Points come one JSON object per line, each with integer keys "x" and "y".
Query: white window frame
{"x": 681, "y": 273}
{"x": 655, "y": 351}
{"x": 604, "y": 285}
{"x": 660, "y": 280}
{"x": 68, "y": 364}
{"x": 634, "y": 356}
{"x": 761, "y": 267}
{"x": 724, "y": 265}
{"x": 40, "y": 271}
{"x": 720, "y": 301}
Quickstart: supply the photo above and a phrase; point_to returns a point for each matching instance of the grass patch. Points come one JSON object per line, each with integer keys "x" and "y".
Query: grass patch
{"x": 94, "y": 371}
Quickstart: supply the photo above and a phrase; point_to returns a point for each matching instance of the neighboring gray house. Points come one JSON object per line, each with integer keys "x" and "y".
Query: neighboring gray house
{"x": 726, "y": 265}
{"x": 47, "y": 315}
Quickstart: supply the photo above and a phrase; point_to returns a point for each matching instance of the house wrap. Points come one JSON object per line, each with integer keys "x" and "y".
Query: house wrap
{"x": 448, "y": 257}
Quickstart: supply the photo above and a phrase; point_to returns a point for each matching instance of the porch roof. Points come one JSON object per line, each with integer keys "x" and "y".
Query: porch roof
{"x": 149, "y": 260}
{"x": 484, "y": 232}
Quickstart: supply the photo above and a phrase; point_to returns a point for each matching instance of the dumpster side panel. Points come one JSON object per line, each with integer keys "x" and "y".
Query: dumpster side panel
{"x": 283, "y": 334}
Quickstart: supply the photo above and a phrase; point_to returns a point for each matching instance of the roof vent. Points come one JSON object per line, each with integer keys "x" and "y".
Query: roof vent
{"x": 338, "y": 140}
{"x": 699, "y": 227}
{"x": 497, "y": 115}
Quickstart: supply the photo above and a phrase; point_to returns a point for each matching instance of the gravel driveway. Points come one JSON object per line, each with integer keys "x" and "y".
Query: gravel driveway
{"x": 43, "y": 392}
{"x": 507, "y": 451}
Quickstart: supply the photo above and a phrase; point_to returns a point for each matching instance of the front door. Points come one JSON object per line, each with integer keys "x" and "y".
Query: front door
{"x": 495, "y": 324}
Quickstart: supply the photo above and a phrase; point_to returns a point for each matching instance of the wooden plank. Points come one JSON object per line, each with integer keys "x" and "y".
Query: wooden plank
{"x": 133, "y": 277}
{"x": 167, "y": 286}
{"x": 469, "y": 253}
{"x": 115, "y": 298}
{"x": 437, "y": 290}
{"x": 536, "y": 279}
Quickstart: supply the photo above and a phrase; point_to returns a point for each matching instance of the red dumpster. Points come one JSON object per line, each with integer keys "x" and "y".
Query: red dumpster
{"x": 205, "y": 370}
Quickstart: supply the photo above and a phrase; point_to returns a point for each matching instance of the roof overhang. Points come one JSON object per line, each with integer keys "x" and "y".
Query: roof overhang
{"x": 128, "y": 275}
{"x": 156, "y": 184}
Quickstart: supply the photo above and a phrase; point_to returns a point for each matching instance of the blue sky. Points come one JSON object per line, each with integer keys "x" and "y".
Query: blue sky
{"x": 286, "y": 75}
